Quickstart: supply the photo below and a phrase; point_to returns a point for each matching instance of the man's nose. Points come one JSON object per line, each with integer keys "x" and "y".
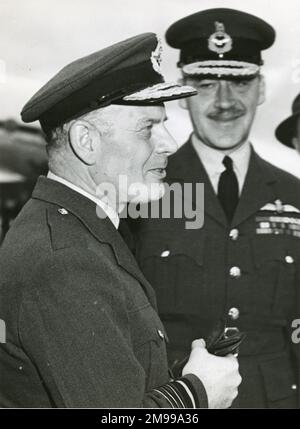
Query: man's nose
{"x": 224, "y": 96}
{"x": 165, "y": 143}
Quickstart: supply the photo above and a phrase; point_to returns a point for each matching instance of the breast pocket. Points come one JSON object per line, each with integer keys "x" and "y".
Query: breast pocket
{"x": 280, "y": 382}
{"x": 174, "y": 267}
{"x": 149, "y": 340}
{"x": 276, "y": 260}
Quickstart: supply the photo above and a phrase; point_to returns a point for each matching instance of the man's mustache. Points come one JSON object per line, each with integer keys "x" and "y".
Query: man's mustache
{"x": 226, "y": 114}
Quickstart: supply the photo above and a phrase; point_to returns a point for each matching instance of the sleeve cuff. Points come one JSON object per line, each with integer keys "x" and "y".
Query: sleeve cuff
{"x": 185, "y": 392}
{"x": 197, "y": 389}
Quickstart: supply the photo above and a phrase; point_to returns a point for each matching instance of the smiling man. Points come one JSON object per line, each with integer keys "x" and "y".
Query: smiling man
{"x": 243, "y": 265}
{"x": 82, "y": 326}
{"x": 223, "y": 111}
{"x": 128, "y": 154}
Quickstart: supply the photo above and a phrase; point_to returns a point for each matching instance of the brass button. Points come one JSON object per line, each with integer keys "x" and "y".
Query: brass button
{"x": 165, "y": 253}
{"x": 234, "y": 234}
{"x": 161, "y": 334}
{"x": 234, "y": 313}
{"x": 63, "y": 211}
{"x": 235, "y": 272}
{"x": 289, "y": 259}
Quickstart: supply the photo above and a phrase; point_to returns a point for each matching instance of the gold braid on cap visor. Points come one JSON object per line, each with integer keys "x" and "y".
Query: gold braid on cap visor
{"x": 221, "y": 68}
{"x": 159, "y": 91}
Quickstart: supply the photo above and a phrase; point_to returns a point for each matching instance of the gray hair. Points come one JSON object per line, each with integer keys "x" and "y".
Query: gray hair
{"x": 58, "y": 138}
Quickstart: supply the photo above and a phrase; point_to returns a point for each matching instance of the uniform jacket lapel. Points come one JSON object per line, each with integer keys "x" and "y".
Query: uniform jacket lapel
{"x": 101, "y": 228}
{"x": 185, "y": 166}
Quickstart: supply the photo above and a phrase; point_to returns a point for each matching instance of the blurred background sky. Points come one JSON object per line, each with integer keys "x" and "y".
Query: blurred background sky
{"x": 38, "y": 37}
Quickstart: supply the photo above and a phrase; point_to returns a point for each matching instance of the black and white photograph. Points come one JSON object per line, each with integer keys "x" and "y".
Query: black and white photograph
{"x": 149, "y": 206}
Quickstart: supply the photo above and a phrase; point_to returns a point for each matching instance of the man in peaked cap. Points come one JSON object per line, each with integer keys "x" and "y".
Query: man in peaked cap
{"x": 81, "y": 323}
{"x": 288, "y": 131}
{"x": 243, "y": 265}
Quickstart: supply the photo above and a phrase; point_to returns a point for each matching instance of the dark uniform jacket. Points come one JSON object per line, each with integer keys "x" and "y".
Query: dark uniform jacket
{"x": 246, "y": 273}
{"x": 81, "y": 323}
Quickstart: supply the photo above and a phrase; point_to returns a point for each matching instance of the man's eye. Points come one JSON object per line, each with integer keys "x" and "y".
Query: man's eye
{"x": 206, "y": 85}
{"x": 241, "y": 83}
{"x": 147, "y": 130}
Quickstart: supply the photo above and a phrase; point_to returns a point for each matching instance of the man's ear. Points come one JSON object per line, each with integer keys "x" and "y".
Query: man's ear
{"x": 262, "y": 90}
{"x": 83, "y": 138}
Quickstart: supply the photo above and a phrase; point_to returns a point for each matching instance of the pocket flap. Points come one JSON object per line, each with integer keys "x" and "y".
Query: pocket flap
{"x": 273, "y": 248}
{"x": 279, "y": 378}
{"x": 165, "y": 246}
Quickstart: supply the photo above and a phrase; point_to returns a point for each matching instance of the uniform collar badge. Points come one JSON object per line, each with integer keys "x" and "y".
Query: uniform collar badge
{"x": 219, "y": 42}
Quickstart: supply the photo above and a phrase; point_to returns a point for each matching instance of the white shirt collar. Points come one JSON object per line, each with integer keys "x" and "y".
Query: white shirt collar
{"x": 108, "y": 210}
{"x": 212, "y": 160}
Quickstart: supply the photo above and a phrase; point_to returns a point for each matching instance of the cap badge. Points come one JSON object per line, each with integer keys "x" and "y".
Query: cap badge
{"x": 220, "y": 42}
{"x": 156, "y": 57}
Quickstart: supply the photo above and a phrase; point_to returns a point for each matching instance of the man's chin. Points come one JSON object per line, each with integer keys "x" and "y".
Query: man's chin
{"x": 226, "y": 142}
{"x": 142, "y": 193}
{"x": 157, "y": 191}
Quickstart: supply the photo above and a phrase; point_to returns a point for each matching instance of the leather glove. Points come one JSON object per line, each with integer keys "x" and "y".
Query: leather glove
{"x": 220, "y": 342}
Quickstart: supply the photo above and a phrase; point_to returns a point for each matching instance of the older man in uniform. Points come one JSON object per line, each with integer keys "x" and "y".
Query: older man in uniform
{"x": 81, "y": 323}
{"x": 288, "y": 131}
{"x": 243, "y": 265}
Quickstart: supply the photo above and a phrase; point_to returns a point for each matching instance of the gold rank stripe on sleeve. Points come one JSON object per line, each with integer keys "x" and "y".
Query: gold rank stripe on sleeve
{"x": 179, "y": 393}
{"x": 278, "y": 225}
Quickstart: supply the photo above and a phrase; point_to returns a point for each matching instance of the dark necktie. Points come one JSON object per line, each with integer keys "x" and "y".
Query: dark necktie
{"x": 228, "y": 189}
